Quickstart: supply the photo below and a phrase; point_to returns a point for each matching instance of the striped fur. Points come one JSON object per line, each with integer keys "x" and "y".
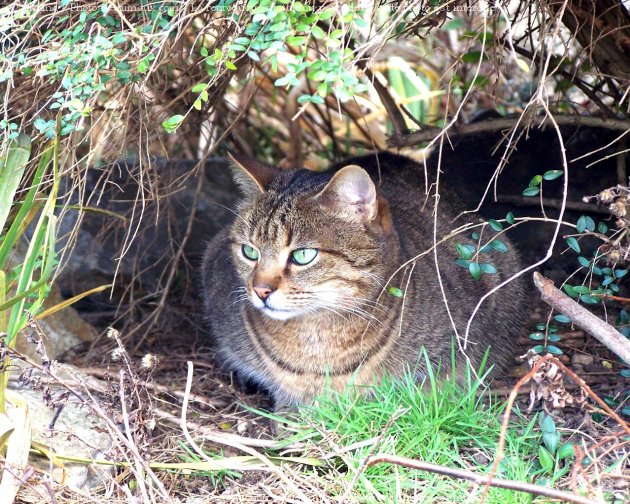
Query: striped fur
{"x": 341, "y": 325}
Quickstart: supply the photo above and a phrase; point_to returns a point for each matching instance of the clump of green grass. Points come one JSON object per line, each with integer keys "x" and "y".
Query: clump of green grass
{"x": 442, "y": 422}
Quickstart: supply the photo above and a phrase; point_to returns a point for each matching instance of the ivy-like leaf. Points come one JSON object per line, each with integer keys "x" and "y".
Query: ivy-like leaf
{"x": 552, "y": 349}
{"x": 552, "y": 174}
{"x": 488, "y": 268}
{"x": 573, "y": 243}
{"x": 172, "y": 123}
{"x": 464, "y": 250}
{"x": 496, "y": 225}
{"x": 395, "y": 291}
{"x": 584, "y": 262}
{"x": 531, "y": 191}
{"x": 475, "y": 270}
{"x": 563, "y": 319}
{"x": 510, "y": 218}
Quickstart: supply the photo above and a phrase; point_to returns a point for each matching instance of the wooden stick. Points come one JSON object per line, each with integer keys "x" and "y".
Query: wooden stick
{"x": 605, "y": 333}
{"x": 480, "y": 478}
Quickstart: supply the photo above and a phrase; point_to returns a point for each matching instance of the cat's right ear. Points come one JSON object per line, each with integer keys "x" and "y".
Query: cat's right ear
{"x": 252, "y": 176}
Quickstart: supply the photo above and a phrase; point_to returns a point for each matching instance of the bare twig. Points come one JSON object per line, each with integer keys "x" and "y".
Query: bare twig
{"x": 606, "y": 334}
{"x": 491, "y": 125}
{"x": 477, "y": 478}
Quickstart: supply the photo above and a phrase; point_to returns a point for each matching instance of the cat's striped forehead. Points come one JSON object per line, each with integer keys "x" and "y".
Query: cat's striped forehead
{"x": 273, "y": 216}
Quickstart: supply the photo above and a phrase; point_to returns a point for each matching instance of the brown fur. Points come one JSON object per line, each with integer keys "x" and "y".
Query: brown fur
{"x": 344, "y": 327}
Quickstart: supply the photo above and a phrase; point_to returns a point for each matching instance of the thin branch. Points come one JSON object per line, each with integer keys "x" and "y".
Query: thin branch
{"x": 605, "y": 333}
{"x": 394, "y": 113}
{"x": 492, "y": 125}
{"x": 480, "y": 478}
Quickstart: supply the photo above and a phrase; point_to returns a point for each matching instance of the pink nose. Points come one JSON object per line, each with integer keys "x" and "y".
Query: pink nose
{"x": 263, "y": 292}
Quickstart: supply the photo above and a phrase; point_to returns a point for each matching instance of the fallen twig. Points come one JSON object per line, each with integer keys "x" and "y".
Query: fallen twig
{"x": 518, "y": 486}
{"x": 605, "y": 333}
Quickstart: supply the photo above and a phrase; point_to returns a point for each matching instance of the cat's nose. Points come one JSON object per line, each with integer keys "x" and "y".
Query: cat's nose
{"x": 263, "y": 292}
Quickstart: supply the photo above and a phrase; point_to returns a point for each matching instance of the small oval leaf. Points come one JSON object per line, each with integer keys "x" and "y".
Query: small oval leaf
{"x": 552, "y": 174}
{"x": 573, "y": 243}
{"x": 475, "y": 270}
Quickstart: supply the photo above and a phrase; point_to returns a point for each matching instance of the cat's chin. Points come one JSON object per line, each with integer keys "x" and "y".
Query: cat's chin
{"x": 279, "y": 314}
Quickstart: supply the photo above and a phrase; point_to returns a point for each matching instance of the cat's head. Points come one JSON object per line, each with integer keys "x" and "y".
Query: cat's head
{"x": 305, "y": 243}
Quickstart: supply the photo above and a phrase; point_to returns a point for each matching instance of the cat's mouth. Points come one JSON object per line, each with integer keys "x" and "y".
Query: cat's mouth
{"x": 277, "y": 313}
{"x": 274, "y": 312}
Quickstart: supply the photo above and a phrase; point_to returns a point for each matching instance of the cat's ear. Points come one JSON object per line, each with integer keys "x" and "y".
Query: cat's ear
{"x": 351, "y": 192}
{"x": 252, "y": 176}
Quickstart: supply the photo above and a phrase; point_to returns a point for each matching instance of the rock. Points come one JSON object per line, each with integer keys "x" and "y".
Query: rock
{"x": 160, "y": 224}
{"x": 77, "y": 431}
{"x": 583, "y": 360}
{"x": 64, "y": 330}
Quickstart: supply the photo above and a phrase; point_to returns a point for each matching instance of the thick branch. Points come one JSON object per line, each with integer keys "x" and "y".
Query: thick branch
{"x": 580, "y": 316}
{"x": 491, "y": 125}
{"x": 480, "y": 478}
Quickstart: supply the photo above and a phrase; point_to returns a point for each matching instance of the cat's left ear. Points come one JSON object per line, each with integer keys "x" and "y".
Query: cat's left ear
{"x": 252, "y": 176}
{"x": 351, "y": 192}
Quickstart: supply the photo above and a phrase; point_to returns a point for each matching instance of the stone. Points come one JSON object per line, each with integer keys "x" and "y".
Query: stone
{"x": 77, "y": 431}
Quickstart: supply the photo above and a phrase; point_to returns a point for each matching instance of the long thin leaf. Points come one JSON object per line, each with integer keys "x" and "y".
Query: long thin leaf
{"x": 71, "y": 301}
{"x": 11, "y": 173}
{"x": 25, "y": 214}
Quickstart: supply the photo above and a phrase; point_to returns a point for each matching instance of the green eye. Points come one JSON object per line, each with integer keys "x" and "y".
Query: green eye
{"x": 304, "y": 256}
{"x": 250, "y": 252}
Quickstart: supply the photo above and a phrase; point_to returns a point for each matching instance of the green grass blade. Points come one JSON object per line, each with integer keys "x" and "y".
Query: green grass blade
{"x": 11, "y": 173}
{"x": 21, "y": 221}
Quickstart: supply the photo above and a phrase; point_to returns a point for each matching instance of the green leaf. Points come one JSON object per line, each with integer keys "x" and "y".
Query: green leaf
{"x": 229, "y": 65}
{"x": 198, "y": 88}
{"x": 488, "y": 268}
{"x": 510, "y": 218}
{"x": 463, "y": 263}
{"x": 580, "y": 226}
{"x": 570, "y": 290}
{"x": 625, "y": 373}
{"x": 538, "y": 349}
{"x": 499, "y": 246}
{"x": 602, "y": 228}
{"x": 536, "y": 336}
{"x": 475, "y": 270}
{"x": 197, "y": 104}
{"x": 496, "y": 225}
{"x": 546, "y": 460}
{"x": 296, "y": 40}
{"x": 565, "y": 451}
{"x": 552, "y": 349}
{"x": 585, "y": 223}
{"x": 552, "y": 174}
{"x": 573, "y": 243}
{"x": 317, "y": 32}
{"x": 464, "y": 251}
{"x": 395, "y": 291}
{"x": 621, "y": 273}
{"x": 563, "y": 319}
{"x": 547, "y": 423}
{"x": 552, "y": 441}
{"x": 172, "y": 123}
{"x": 531, "y": 191}
{"x": 11, "y": 172}
{"x": 584, "y": 262}
{"x": 535, "y": 181}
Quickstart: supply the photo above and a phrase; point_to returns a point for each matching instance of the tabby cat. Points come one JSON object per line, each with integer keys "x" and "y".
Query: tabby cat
{"x": 303, "y": 291}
